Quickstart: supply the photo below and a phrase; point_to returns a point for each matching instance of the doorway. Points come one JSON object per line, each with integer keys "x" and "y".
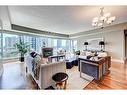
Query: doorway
{"x": 125, "y": 37}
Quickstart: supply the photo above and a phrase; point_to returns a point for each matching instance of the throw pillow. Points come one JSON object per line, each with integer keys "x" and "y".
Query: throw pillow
{"x": 33, "y": 54}
{"x": 89, "y": 53}
{"x": 102, "y": 54}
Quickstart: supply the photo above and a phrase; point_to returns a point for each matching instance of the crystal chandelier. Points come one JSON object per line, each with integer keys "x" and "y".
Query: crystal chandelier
{"x": 103, "y": 19}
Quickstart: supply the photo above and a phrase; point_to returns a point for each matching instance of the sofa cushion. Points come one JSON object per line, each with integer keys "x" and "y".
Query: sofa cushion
{"x": 37, "y": 58}
{"x": 33, "y": 54}
{"x": 89, "y": 53}
{"x": 102, "y": 54}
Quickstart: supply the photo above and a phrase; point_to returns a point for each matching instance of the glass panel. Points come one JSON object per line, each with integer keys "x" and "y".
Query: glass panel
{"x": 49, "y": 42}
{"x": 0, "y": 53}
{"x": 35, "y": 42}
{"x": 8, "y": 45}
{"x": 54, "y": 42}
{"x": 75, "y": 45}
{"x": 0, "y": 46}
{"x": 63, "y": 43}
{"x": 41, "y": 42}
{"x": 54, "y": 45}
{"x": 68, "y": 45}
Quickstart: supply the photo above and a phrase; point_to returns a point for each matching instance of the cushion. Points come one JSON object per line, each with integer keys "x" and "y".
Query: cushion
{"x": 88, "y": 57}
{"x": 33, "y": 54}
{"x": 95, "y": 58}
{"x": 102, "y": 54}
{"x": 82, "y": 53}
{"x": 89, "y": 53}
{"x": 37, "y": 58}
{"x": 61, "y": 51}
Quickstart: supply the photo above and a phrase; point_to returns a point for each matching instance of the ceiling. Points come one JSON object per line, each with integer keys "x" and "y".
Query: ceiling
{"x": 62, "y": 19}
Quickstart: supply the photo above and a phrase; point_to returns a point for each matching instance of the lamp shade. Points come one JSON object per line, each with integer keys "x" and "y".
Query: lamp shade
{"x": 101, "y": 43}
{"x": 85, "y": 43}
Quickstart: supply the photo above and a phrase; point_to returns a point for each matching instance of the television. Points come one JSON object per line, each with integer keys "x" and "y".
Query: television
{"x": 47, "y": 51}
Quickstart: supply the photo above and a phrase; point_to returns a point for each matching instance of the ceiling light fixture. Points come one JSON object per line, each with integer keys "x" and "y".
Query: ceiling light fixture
{"x": 103, "y": 19}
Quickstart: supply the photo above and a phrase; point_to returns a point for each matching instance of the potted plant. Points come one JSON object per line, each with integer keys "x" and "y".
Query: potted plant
{"x": 22, "y": 49}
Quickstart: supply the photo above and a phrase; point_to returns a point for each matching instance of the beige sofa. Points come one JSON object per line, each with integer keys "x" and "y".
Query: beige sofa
{"x": 47, "y": 70}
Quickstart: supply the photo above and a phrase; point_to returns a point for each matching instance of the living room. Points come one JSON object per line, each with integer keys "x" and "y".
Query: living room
{"x": 67, "y": 44}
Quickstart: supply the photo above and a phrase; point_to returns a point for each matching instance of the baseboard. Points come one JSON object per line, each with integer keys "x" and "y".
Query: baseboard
{"x": 117, "y": 60}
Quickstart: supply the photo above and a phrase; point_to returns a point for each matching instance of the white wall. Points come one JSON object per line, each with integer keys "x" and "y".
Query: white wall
{"x": 114, "y": 37}
{"x": 5, "y": 18}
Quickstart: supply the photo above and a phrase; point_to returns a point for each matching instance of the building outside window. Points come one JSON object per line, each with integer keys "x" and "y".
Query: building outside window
{"x": 40, "y": 43}
{"x": 8, "y": 45}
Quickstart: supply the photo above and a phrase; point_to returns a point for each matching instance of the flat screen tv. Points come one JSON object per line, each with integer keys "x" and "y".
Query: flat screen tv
{"x": 46, "y": 52}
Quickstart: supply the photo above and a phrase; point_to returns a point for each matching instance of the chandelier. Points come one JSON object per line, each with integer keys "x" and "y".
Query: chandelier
{"x": 103, "y": 19}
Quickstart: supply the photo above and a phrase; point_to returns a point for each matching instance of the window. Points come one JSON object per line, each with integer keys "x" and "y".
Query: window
{"x": 36, "y": 43}
{"x": 55, "y": 43}
{"x": 41, "y": 42}
{"x": 75, "y": 44}
{"x": 63, "y": 43}
{"x": 68, "y": 45}
{"x": 49, "y": 42}
{"x": 8, "y": 45}
{"x": 7, "y": 42}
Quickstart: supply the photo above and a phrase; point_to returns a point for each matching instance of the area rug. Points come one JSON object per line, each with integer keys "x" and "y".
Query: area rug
{"x": 75, "y": 82}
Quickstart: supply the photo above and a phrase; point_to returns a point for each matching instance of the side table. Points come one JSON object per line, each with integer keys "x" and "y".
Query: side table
{"x": 60, "y": 80}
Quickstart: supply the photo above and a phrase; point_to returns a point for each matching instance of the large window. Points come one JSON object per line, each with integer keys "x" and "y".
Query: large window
{"x": 7, "y": 41}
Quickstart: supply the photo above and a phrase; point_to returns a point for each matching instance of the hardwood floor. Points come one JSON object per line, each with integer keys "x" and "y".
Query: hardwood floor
{"x": 116, "y": 79}
{"x": 14, "y": 77}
